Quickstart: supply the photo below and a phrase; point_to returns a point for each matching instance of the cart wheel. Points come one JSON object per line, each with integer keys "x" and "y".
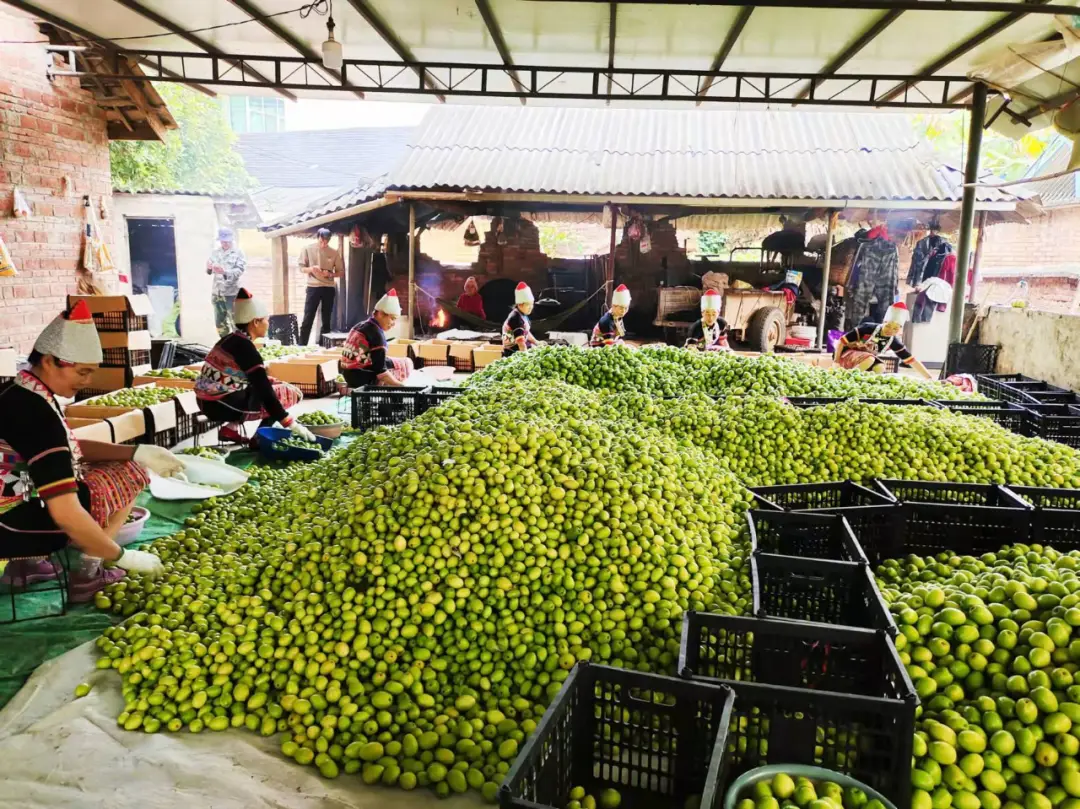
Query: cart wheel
{"x": 766, "y": 329}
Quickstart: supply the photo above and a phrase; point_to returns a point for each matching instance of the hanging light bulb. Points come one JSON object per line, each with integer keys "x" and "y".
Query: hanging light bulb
{"x": 331, "y": 48}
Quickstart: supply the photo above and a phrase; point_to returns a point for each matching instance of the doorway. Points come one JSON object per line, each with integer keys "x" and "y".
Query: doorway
{"x": 152, "y": 248}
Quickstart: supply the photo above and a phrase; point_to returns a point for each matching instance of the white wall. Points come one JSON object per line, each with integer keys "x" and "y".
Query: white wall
{"x": 195, "y": 225}
{"x": 1040, "y": 344}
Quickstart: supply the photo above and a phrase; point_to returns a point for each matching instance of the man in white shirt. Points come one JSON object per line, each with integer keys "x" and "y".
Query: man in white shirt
{"x": 322, "y": 265}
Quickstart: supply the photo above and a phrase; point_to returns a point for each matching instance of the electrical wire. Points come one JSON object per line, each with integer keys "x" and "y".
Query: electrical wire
{"x": 319, "y": 7}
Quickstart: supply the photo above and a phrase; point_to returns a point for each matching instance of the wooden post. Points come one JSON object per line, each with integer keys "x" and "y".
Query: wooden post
{"x": 832, "y": 217}
{"x": 978, "y": 255}
{"x": 280, "y": 276}
{"x": 412, "y": 268}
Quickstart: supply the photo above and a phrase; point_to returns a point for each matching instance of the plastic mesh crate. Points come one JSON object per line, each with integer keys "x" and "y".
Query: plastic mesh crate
{"x": 1056, "y": 521}
{"x": 966, "y": 518}
{"x": 901, "y": 402}
{"x": 971, "y": 358}
{"x": 796, "y": 655}
{"x": 821, "y": 496}
{"x": 124, "y": 357}
{"x": 1009, "y": 415}
{"x": 813, "y": 401}
{"x": 376, "y": 406}
{"x": 868, "y": 738}
{"x": 818, "y": 590}
{"x": 1059, "y": 423}
{"x": 658, "y": 740}
{"x": 436, "y": 395}
{"x": 464, "y": 364}
{"x": 120, "y": 321}
{"x": 1000, "y": 386}
{"x": 816, "y": 536}
{"x": 1056, "y": 396}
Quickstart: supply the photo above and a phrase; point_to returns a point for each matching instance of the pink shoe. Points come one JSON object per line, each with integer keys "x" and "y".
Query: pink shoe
{"x": 22, "y": 572}
{"x": 84, "y": 587}
{"x": 232, "y": 436}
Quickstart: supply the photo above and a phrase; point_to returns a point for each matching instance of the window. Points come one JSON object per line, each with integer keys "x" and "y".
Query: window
{"x": 255, "y": 114}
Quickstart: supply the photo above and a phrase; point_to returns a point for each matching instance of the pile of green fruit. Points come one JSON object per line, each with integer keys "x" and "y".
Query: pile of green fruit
{"x": 275, "y": 352}
{"x": 992, "y": 645}
{"x": 143, "y": 396}
{"x": 317, "y": 418}
{"x": 296, "y": 442}
{"x": 785, "y": 792}
{"x": 579, "y": 799}
{"x": 668, "y": 371}
{"x": 174, "y": 373}
{"x": 202, "y": 452}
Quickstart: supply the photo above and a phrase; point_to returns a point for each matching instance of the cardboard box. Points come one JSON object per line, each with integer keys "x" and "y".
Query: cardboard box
{"x": 431, "y": 351}
{"x": 138, "y": 305}
{"x": 91, "y": 430}
{"x": 7, "y": 362}
{"x": 88, "y": 410}
{"x": 131, "y": 340}
{"x": 463, "y": 351}
{"x": 128, "y": 426}
{"x": 483, "y": 357}
{"x": 400, "y": 348}
{"x": 110, "y": 379}
{"x": 310, "y": 374}
{"x": 183, "y": 384}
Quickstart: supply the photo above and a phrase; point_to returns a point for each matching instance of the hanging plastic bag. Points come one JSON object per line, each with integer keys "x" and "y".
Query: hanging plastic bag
{"x": 7, "y": 266}
{"x": 635, "y": 229}
{"x": 202, "y": 478}
{"x": 355, "y": 240}
{"x": 20, "y": 205}
{"x": 500, "y": 234}
{"x": 472, "y": 236}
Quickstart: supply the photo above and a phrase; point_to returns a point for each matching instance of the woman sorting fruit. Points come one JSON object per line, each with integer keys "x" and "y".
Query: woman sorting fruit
{"x": 363, "y": 358}
{"x": 57, "y": 491}
{"x": 517, "y": 330}
{"x": 861, "y": 347}
{"x": 711, "y": 332}
{"x": 609, "y": 330}
{"x": 234, "y": 386}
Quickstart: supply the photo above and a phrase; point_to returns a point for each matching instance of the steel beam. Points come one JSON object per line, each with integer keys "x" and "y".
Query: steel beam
{"x": 495, "y": 32}
{"x": 72, "y": 28}
{"x": 981, "y": 6}
{"x": 289, "y": 38}
{"x": 977, "y": 39}
{"x": 613, "y": 12}
{"x": 725, "y": 49}
{"x": 199, "y": 42}
{"x": 967, "y": 212}
{"x": 372, "y": 18}
{"x": 861, "y": 41}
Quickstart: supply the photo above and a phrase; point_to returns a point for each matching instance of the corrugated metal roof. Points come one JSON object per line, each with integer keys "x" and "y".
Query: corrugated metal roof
{"x": 337, "y": 201}
{"x": 1060, "y": 191}
{"x": 696, "y": 153}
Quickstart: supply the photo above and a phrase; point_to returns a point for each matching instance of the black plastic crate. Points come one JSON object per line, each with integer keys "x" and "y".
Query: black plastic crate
{"x": 657, "y": 740}
{"x": 124, "y": 357}
{"x": 464, "y": 364}
{"x": 869, "y": 512}
{"x": 868, "y": 738}
{"x": 436, "y": 395}
{"x": 819, "y": 591}
{"x": 376, "y": 406}
{"x": 901, "y": 402}
{"x": 803, "y": 534}
{"x": 964, "y": 518}
{"x": 1059, "y": 423}
{"x": 971, "y": 358}
{"x": 843, "y": 659}
{"x": 120, "y": 321}
{"x": 813, "y": 401}
{"x": 1009, "y": 415}
{"x": 166, "y": 438}
{"x": 1000, "y": 386}
{"x": 1056, "y": 396}
{"x": 1056, "y": 520}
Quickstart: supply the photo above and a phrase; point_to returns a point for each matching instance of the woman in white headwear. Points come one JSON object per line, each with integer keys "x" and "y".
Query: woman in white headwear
{"x": 517, "y": 328}
{"x": 862, "y": 346}
{"x": 56, "y": 490}
{"x": 234, "y": 386}
{"x": 363, "y": 357}
{"x": 609, "y": 330}
{"x": 711, "y": 332}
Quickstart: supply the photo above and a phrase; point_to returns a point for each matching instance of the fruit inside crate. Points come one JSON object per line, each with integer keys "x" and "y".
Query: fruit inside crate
{"x": 968, "y": 494}
{"x": 436, "y": 395}
{"x": 656, "y": 740}
{"x": 819, "y": 591}
{"x": 797, "y": 655}
{"x": 1009, "y": 415}
{"x": 803, "y": 534}
{"x": 818, "y": 496}
{"x": 1060, "y": 423}
{"x": 864, "y": 737}
{"x": 1056, "y": 521}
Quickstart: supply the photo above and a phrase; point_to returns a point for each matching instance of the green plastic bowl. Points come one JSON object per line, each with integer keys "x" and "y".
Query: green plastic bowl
{"x": 748, "y": 779}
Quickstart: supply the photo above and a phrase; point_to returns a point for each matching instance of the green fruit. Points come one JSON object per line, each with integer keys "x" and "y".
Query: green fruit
{"x": 782, "y": 786}
{"x": 610, "y": 799}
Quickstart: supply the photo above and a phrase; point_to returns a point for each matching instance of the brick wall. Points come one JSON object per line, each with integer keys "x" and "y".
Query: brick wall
{"x": 48, "y": 131}
{"x": 259, "y": 280}
{"x": 1049, "y": 242}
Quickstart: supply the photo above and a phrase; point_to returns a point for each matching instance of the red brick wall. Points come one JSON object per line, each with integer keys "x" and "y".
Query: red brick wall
{"x": 259, "y": 280}
{"x": 48, "y": 130}
{"x": 1048, "y": 242}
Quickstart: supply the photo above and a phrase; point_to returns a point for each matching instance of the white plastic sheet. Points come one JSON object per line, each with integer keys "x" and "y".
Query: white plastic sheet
{"x": 58, "y": 752}
{"x": 202, "y": 478}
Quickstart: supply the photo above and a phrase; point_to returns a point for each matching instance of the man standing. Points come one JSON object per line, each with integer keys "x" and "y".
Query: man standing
{"x": 227, "y": 264}
{"x": 322, "y": 265}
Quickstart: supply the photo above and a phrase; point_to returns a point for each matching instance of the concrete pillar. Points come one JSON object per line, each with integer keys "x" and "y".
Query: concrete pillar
{"x": 282, "y": 278}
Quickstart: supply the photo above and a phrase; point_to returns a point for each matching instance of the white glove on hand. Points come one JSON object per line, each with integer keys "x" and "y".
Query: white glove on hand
{"x": 140, "y": 562}
{"x": 301, "y": 431}
{"x": 158, "y": 460}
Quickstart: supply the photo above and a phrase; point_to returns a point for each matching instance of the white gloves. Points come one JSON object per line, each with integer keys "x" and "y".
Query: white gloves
{"x": 158, "y": 460}
{"x": 301, "y": 431}
{"x": 140, "y": 562}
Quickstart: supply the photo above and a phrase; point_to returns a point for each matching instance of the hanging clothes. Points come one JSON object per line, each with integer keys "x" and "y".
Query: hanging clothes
{"x": 921, "y": 255}
{"x": 877, "y": 276}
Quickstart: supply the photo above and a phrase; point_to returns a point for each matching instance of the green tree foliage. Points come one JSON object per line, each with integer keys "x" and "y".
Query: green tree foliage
{"x": 712, "y": 243}
{"x": 199, "y": 156}
{"x": 560, "y": 241}
{"x": 1002, "y": 156}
